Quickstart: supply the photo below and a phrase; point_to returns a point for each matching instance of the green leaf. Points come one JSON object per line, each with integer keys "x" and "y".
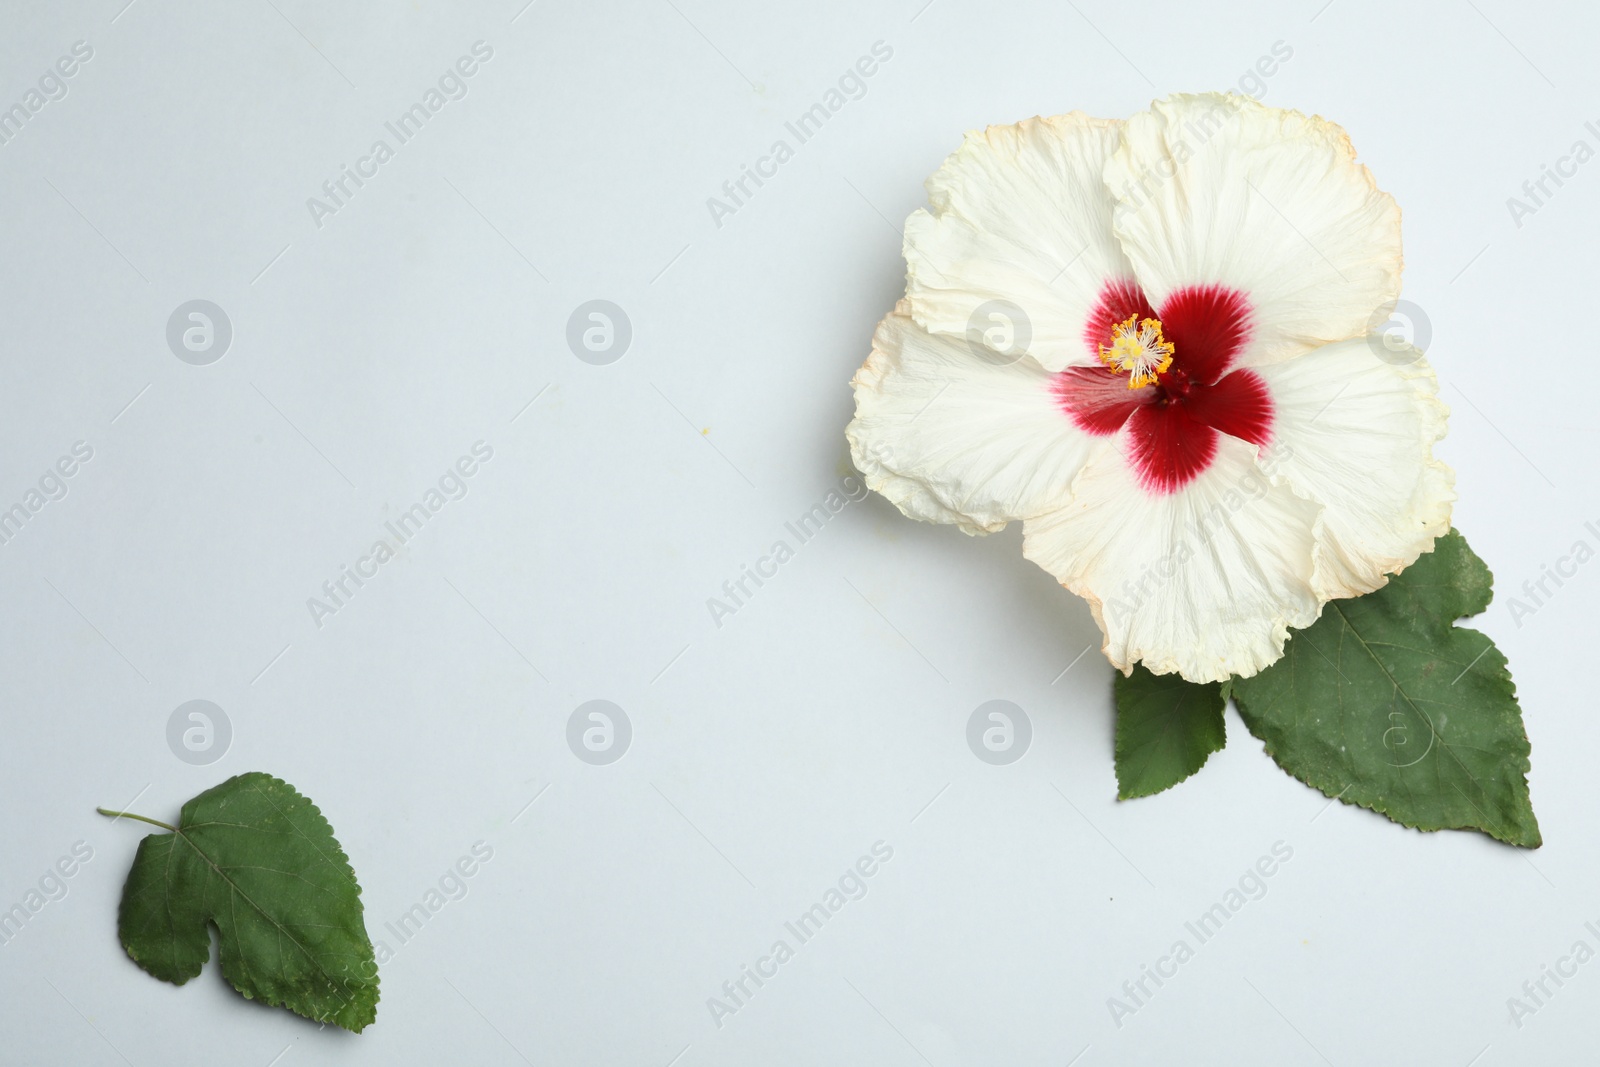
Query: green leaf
{"x": 1166, "y": 729}
{"x": 256, "y": 859}
{"x": 1384, "y": 702}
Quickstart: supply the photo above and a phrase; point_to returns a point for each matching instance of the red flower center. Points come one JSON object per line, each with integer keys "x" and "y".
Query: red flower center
{"x": 1174, "y": 418}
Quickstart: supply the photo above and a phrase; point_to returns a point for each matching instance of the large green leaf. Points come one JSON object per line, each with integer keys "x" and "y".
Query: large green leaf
{"x": 1386, "y": 703}
{"x": 259, "y": 861}
{"x": 1166, "y": 729}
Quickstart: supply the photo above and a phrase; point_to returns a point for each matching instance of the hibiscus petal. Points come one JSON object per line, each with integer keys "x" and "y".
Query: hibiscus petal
{"x": 1119, "y": 298}
{"x": 1168, "y": 446}
{"x": 1098, "y": 399}
{"x": 1355, "y": 433}
{"x": 949, "y": 436}
{"x": 1205, "y": 581}
{"x": 1238, "y": 405}
{"x": 1208, "y": 325}
{"x": 1217, "y": 189}
{"x": 1020, "y": 215}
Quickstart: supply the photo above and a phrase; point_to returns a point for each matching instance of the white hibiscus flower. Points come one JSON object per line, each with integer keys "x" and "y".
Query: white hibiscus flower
{"x": 1186, "y": 415}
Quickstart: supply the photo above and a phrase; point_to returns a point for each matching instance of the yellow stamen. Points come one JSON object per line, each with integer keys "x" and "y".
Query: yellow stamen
{"x": 1138, "y": 349}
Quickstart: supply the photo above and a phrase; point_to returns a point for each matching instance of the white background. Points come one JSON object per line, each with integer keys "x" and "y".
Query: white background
{"x": 830, "y": 712}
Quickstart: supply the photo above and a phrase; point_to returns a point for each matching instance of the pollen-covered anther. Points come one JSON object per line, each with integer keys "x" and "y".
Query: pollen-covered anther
{"x": 1138, "y": 350}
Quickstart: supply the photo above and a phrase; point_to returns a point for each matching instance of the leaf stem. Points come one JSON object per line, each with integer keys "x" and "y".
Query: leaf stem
{"x": 141, "y": 818}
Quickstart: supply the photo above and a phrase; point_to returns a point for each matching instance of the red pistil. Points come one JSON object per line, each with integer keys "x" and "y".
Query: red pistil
{"x": 1173, "y": 386}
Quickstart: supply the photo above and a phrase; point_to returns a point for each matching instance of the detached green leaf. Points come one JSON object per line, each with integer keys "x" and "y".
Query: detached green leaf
{"x": 1384, "y": 702}
{"x": 256, "y": 859}
{"x": 1166, "y": 730}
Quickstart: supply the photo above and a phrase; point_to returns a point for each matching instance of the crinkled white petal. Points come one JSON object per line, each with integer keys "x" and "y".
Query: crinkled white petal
{"x": 1021, "y": 216}
{"x": 1205, "y": 581}
{"x": 1354, "y": 431}
{"x": 951, "y": 435}
{"x": 1217, "y": 189}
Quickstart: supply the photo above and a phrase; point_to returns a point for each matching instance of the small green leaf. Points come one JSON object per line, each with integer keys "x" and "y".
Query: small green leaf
{"x": 1166, "y": 730}
{"x": 1384, "y": 702}
{"x": 259, "y": 861}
